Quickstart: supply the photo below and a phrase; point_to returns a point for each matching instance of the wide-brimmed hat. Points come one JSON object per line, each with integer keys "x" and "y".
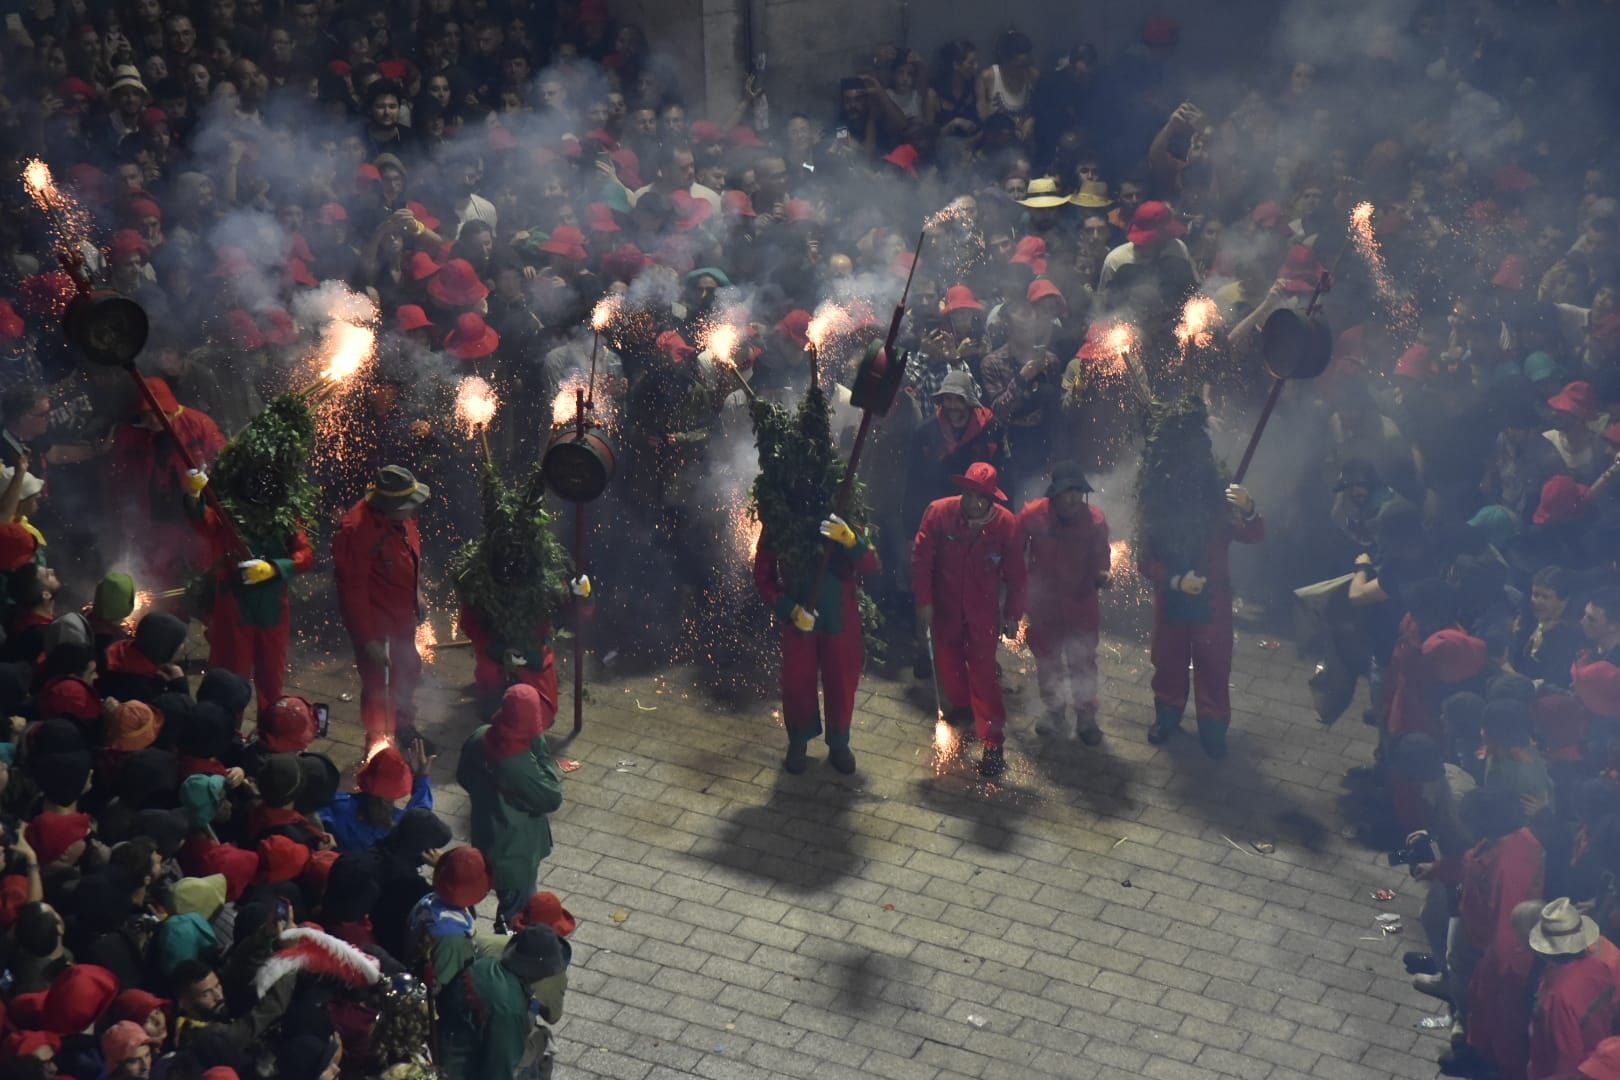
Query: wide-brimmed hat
{"x": 1563, "y": 930}
{"x": 961, "y": 298}
{"x": 1093, "y": 194}
{"x": 421, "y": 266}
{"x": 536, "y": 952}
{"x": 396, "y": 488}
{"x": 411, "y": 317}
{"x": 461, "y": 877}
{"x": 566, "y": 241}
{"x": 980, "y": 477}
{"x": 128, "y": 75}
{"x": 1067, "y": 476}
{"x": 1578, "y": 398}
{"x": 1044, "y": 288}
{"x": 1031, "y": 251}
{"x": 904, "y": 158}
{"x": 1043, "y": 193}
{"x": 1154, "y": 221}
{"x": 472, "y": 337}
{"x": 457, "y": 285}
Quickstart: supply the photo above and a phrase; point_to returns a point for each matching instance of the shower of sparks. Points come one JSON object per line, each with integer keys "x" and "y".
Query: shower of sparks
{"x": 143, "y": 604}
{"x": 743, "y": 536}
{"x": 955, "y": 211}
{"x": 476, "y": 403}
{"x": 345, "y": 348}
{"x": 70, "y": 223}
{"x": 1018, "y": 644}
{"x": 1199, "y": 318}
{"x": 830, "y": 321}
{"x": 1128, "y": 583}
{"x": 721, "y": 342}
{"x": 947, "y": 744}
{"x": 1365, "y": 240}
{"x": 606, "y": 310}
{"x": 565, "y": 406}
{"x": 427, "y": 641}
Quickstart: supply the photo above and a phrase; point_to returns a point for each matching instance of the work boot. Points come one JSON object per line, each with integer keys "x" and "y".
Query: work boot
{"x": 842, "y": 759}
{"x": 1050, "y": 723}
{"x": 798, "y": 757}
{"x": 1085, "y": 727}
{"x": 993, "y": 763}
{"x": 1166, "y": 722}
{"x": 1433, "y": 985}
{"x": 1212, "y": 737}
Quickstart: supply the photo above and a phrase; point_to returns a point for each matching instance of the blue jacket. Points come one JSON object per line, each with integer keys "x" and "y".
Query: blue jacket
{"x": 342, "y": 818}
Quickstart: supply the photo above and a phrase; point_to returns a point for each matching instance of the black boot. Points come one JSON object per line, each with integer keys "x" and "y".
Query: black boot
{"x": 500, "y": 924}
{"x": 798, "y": 757}
{"x": 1166, "y": 722}
{"x": 1085, "y": 727}
{"x": 842, "y": 759}
{"x": 1420, "y": 963}
{"x": 993, "y": 763}
{"x": 1212, "y": 736}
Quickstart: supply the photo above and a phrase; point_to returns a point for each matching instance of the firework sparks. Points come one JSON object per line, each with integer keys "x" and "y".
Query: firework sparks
{"x": 1018, "y": 644}
{"x": 955, "y": 211}
{"x": 606, "y": 310}
{"x": 947, "y": 744}
{"x": 346, "y": 347}
{"x": 1129, "y": 584}
{"x": 427, "y": 641}
{"x": 721, "y": 342}
{"x": 70, "y": 224}
{"x": 143, "y": 604}
{"x": 1365, "y": 240}
{"x": 476, "y": 403}
{"x": 830, "y": 321}
{"x": 744, "y": 532}
{"x": 565, "y": 406}
{"x": 1199, "y": 318}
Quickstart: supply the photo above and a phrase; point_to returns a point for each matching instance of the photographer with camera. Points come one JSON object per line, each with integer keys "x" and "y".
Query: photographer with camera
{"x": 1433, "y": 850}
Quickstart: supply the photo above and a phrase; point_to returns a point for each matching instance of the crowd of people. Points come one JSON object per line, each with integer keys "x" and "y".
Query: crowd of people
{"x": 1112, "y": 249}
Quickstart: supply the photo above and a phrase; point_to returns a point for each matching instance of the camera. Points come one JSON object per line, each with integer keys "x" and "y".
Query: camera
{"x": 1414, "y": 854}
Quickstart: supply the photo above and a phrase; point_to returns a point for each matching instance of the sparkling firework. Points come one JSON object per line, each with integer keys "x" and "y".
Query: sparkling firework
{"x": 606, "y": 310}
{"x": 743, "y": 535}
{"x": 947, "y": 744}
{"x": 830, "y": 321}
{"x": 346, "y": 347}
{"x": 1365, "y": 240}
{"x": 427, "y": 641}
{"x": 1199, "y": 318}
{"x": 604, "y": 409}
{"x": 952, "y": 212}
{"x": 476, "y": 403}
{"x": 721, "y": 342}
{"x": 1128, "y": 582}
{"x": 70, "y": 224}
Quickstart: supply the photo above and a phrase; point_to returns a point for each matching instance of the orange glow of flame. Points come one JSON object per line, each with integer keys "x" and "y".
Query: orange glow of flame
{"x": 143, "y": 604}
{"x": 70, "y": 224}
{"x": 1199, "y": 318}
{"x": 606, "y": 310}
{"x": 476, "y": 403}
{"x": 427, "y": 641}
{"x": 376, "y": 748}
{"x": 745, "y": 530}
{"x": 954, "y": 210}
{"x": 1018, "y": 644}
{"x": 1121, "y": 339}
{"x": 346, "y": 348}
{"x": 947, "y": 743}
{"x": 721, "y": 342}
{"x": 565, "y": 404}
{"x": 830, "y": 320}
{"x": 1361, "y": 216}
{"x": 38, "y": 182}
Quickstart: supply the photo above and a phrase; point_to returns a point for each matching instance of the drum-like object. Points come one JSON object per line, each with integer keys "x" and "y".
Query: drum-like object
{"x": 109, "y": 327}
{"x": 1296, "y": 346}
{"x": 877, "y": 379}
{"x": 578, "y": 465}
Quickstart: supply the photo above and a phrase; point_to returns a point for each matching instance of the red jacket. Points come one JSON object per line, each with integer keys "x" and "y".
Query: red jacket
{"x": 145, "y": 469}
{"x": 1574, "y": 1011}
{"x": 69, "y": 697}
{"x": 377, "y": 563}
{"x": 1064, "y": 561}
{"x": 1496, "y": 876}
{"x": 960, "y": 571}
{"x": 1424, "y": 671}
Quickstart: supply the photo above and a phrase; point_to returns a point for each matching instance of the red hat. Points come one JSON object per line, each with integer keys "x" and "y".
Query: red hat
{"x": 319, "y": 871}
{"x": 1160, "y": 31}
{"x": 278, "y": 327}
{"x": 599, "y": 218}
{"x": 690, "y": 211}
{"x": 795, "y": 325}
{"x": 17, "y": 546}
{"x": 237, "y": 865}
{"x": 624, "y": 261}
{"x": 798, "y": 211}
{"x": 1578, "y": 398}
{"x": 333, "y": 212}
{"x": 1041, "y": 288}
{"x": 367, "y": 174}
{"x": 77, "y": 997}
{"x": 221, "y": 1072}
{"x": 242, "y": 332}
{"x": 281, "y": 858}
{"x": 287, "y": 727}
{"x": 961, "y": 298}
{"x": 25, "y": 1043}
{"x": 339, "y": 68}
{"x": 47, "y": 293}
{"x": 457, "y": 285}
{"x": 1300, "y": 271}
{"x": 89, "y": 181}
{"x": 133, "y": 725}
{"x": 672, "y": 345}
{"x": 1031, "y": 251}
{"x": 120, "y": 1042}
{"x": 1560, "y": 727}
{"x": 604, "y": 138}
{"x": 136, "y": 1005}
{"x": 411, "y": 317}
{"x": 1414, "y": 363}
{"x": 11, "y": 324}
{"x": 298, "y": 273}
{"x": 624, "y": 159}
{"x": 545, "y": 909}
{"x": 75, "y": 91}
{"x": 1153, "y": 222}
{"x": 461, "y": 877}
{"x": 126, "y": 244}
{"x": 1510, "y": 275}
{"x": 386, "y": 775}
{"x": 980, "y": 477}
{"x": 1612, "y": 433}
{"x": 422, "y": 214}
{"x": 904, "y": 158}
{"x": 1270, "y": 215}
{"x": 737, "y": 204}
{"x": 421, "y": 266}
{"x": 743, "y": 135}
{"x": 1454, "y": 655}
{"x": 1562, "y": 498}
{"x": 1597, "y": 685}
{"x": 50, "y": 835}
{"x": 705, "y": 132}
{"x": 394, "y": 69}
{"x": 471, "y": 338}
{"x": 143, "y": 207}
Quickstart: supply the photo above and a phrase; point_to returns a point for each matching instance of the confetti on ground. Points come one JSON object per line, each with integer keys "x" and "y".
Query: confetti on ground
{"x": 619, "y": 916}
{"x": 567, "y": 764}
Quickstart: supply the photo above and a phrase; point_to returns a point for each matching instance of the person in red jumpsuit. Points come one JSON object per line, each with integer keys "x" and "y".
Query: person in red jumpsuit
{"x": 498, "y": 664}
{"x": 824, "y": 638}
{"x": 965, "y": 550}
{"x": 377, "y": 560}
{"x": 250, "y": 622}
{"x": 147, "y": 477}
{"x": 1065, "y": 544}
{"x": 1192, "y": 625}
{"x": 1575, "y": 999}
{"x": 1504, "y": 869}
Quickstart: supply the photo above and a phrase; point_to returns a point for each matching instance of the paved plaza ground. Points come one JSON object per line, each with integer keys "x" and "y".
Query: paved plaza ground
{"x": 1098, "y": 913}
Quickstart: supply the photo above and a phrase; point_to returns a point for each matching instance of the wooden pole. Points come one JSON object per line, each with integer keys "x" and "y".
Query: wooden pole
{"x": 579, "y": 571}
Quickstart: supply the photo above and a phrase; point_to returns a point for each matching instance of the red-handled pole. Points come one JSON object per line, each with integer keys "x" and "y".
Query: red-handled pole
{"x": 579, "y": 571}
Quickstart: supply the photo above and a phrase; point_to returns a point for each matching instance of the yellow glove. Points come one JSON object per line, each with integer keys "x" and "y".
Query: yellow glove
{"x": 196, "y": 480}
{"x": 256, "y": 571}
{"x": 581, "y": 586}
{"x": 804, "y": 620}
{"x": 836, "y": 530}
{"x": 1192, "y": 583}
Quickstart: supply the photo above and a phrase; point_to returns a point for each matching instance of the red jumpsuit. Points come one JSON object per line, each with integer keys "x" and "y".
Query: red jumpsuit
{"x": 1065, "y": 560}
{"x": 959, "y": 571}
{"x": 490, "y": 676}
{"x": 1202, "y": 638}
{"x": 146, "y": 478}
{"x": 833, "y": 647}
{"x": 1575, "y": 1009}
{"x": 249, "y": 625}
{"x": 377, "y": 562}
{"x": 1423, "y": 672}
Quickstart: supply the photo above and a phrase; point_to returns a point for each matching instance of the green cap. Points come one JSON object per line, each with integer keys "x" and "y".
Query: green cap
{"x": 115, "y": 597}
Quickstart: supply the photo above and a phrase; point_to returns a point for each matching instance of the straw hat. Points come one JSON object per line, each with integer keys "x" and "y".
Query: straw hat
{"x": 1043, "y": 193}
{"x": 1563, "y": 931}
{"x": 1093, "y": 194}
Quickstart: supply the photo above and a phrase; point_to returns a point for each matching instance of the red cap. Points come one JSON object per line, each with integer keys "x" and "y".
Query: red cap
{"x": 1510, "y": 275}
{"x": 386, "y": 775}
{"x": 980, "y": 477}
{"x": 461, "y": 878}
{"x": 126, "y": 245}
{"x": 288, "y": 726}
{"x": 1031, "y": 251}
{"x": 1270, "y": 215}
{"x": 11, "y": 324}
{"x": 624, "y": 261}
{"x": 1300, "y": 271}
{"x": 1414, "y": 363}
{"x": 737, "y": 204}
{"x": 797, "y": 211}
{"x": 394, "y": 69}
{"x": 278, "y": 327}
{"x": 545, "y": 909}
{"x": 795, "y": 325}
{"x": 17, "y": 546}
{"x": 281, "y": 858}
{"x": 143, "y": 207}
{"x": 78, "y": 997}
{"x": 1454, "y": 655}
{"x": 1154, "y": 222}
{"x": 331, "y": 213}
{"x": 501, "y": 139}
{"x": 690, "y": 211}
{"x": 137, "y": 1005}
{"x": 1041, "y": 288}
{"x": 624, "y": 159}
{"x": 319, "y": 871}
{"x": 1562, "y": 498}
{"x": 1578, "y": 398}
{"x": 904, "y": 158}
{"x": 411, "y": 317}
{"x": 162, "y": 394}
{"x": 472, "y": 338}
{"x": 1597, "y": 684}
{"x": 599, "y": 218}
{"x": 743, "y": 135}
{"x": 420, "y": 266}
{"x": 75, "y": 88}
{"x": 1161, "y": 31}
{"x": 961, "y": 298}
{"x": 50, "y": 835}
{"x": 706, "y": 132}
{"x": 1560, "y": 726}
{"x": 457, "y": 285}
{"x": 237, "y": 865}
{"x": 672, "y": 345}
{"x": 422, "y": 214}
{"x": 367, "y": 173}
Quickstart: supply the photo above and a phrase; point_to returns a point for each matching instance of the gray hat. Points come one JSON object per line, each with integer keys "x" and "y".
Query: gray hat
{"x": 396, "y": 488}
{"x": 1563, "y": 930}
{"x": 1067, "y": 476}
{"x": 958, "y": 384}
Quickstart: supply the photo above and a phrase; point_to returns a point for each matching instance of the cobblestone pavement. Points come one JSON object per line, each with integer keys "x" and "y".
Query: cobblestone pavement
{"x": 1100, "y": 913}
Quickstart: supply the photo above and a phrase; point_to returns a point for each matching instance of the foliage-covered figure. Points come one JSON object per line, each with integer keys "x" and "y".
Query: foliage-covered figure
{"x": 793, "y": 499}
{"x": 261, "y": 480}
{"x": 512, "y": 581}
{"x": 1187, "y": 516}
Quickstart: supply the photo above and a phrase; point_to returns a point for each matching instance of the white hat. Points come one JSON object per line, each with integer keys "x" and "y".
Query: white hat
{"x": 31, "y": 484}
{"x": 1042, "y": 193}
{"x": 1563, "y": 931}
{"x": 128, "y": 75}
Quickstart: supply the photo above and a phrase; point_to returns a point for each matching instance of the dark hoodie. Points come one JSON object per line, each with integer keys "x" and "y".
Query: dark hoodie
{"x": 132, "y": 672}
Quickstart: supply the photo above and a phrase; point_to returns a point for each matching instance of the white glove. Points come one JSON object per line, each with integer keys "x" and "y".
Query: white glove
{"x": 1192, "y": 583}
{"x": 1238, "y": 496}
{"x": 581, "y": 586}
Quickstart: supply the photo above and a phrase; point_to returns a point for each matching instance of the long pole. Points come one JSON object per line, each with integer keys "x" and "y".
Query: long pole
{"x": 579, "y": 571}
